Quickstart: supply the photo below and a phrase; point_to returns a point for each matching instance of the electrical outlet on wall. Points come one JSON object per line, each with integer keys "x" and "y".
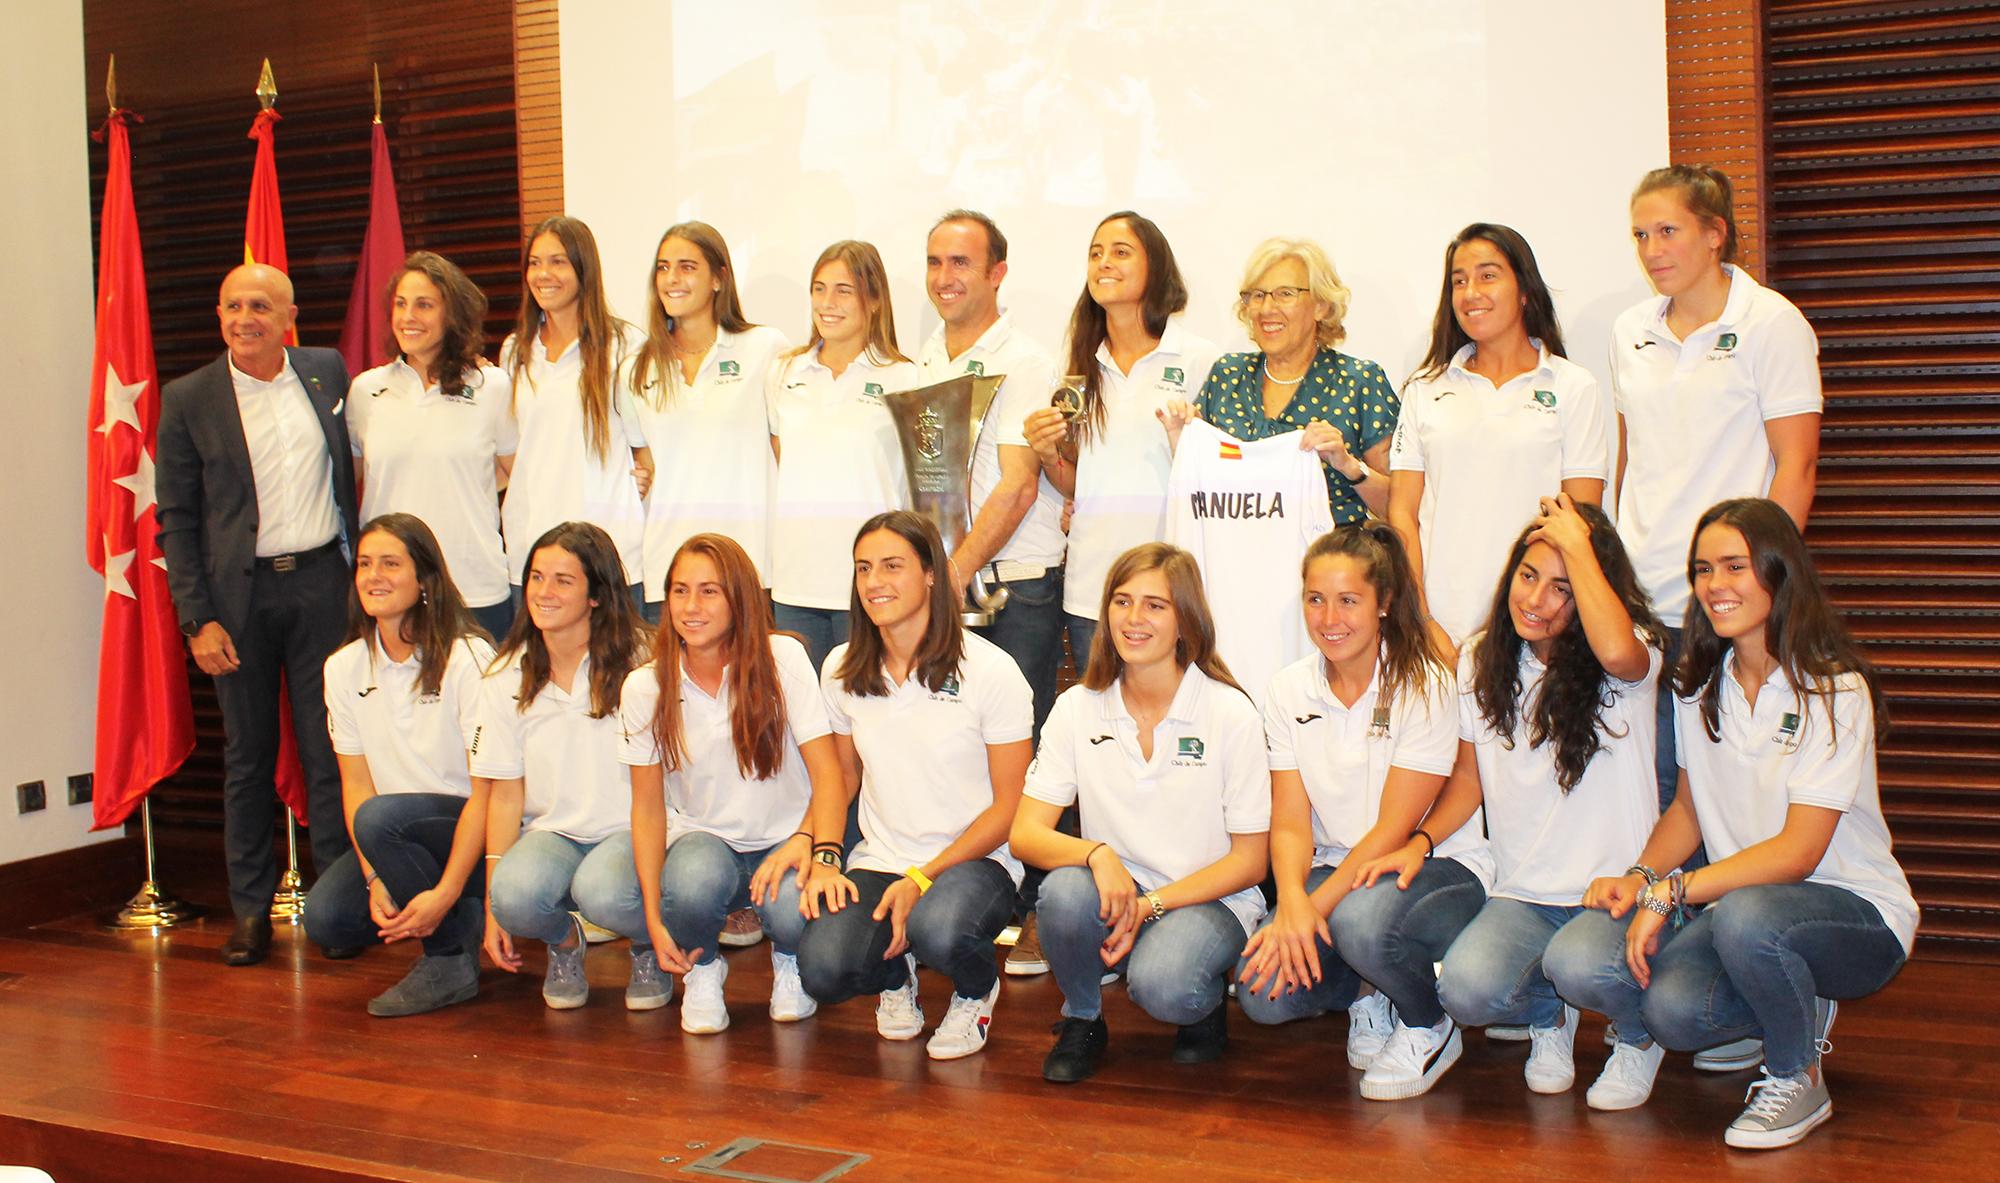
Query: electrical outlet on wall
{"x": 80, "y": 788}
{"x": 31, "y": 796}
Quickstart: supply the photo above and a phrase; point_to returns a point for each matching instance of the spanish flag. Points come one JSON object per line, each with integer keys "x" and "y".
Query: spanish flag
{"x": 1231, "y": 450}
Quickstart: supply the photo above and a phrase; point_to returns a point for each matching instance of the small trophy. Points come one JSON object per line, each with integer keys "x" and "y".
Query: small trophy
{"x": 938, "y": 429}
{"x": 1068, "y": 398}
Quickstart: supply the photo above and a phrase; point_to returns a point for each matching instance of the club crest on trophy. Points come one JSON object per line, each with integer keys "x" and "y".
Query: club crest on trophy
{"x": 938, "y": 430}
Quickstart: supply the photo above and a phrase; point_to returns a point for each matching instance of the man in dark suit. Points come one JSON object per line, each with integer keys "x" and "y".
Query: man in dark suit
{"x": 255, "y": 483}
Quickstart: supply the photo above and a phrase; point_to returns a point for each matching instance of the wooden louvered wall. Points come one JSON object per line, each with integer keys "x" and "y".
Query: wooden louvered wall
{"x": 1884, "y": 227}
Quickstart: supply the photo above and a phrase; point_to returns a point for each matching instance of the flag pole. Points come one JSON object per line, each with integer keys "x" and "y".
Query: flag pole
{"x": 151, "y": 908}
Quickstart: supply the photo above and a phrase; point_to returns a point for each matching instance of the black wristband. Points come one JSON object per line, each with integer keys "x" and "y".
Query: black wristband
{"x": 1430, "y": 847}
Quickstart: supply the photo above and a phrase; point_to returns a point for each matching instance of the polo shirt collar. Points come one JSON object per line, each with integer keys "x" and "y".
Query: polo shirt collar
{"x": 1172, "y": 341}
{"x": 1183, "y": 709}
{"x": 1741, "y": 290}
{"x": 1465, "y": 352}
{"x": 1321, "y": 689}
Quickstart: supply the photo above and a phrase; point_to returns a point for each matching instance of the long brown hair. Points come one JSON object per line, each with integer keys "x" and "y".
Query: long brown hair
{"x": 464, "y": 335}
{"x": 1411, "y": 660}
{"x": 657, "y": 355}
{"x": 1803, "y": 633}
{"x": 943, "y": 647}
{"x": 1194, "y": 625}
{"x": 1166, "y": 293}
{"x": 614, "y": 622}
{"x": 599, "y": 335}
{"x": 871, "y": 279}
{"x": 1538, "y": 310}
{"x": 756, "y": 700}
{"x": 437, "y": 621}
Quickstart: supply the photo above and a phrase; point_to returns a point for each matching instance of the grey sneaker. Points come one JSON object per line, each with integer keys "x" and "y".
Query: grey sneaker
{"x": 1782, "y": 1110}
{"x": 647, "y": 988}
{"x": 431, "y": 984}
{"x": 564, "y": 987}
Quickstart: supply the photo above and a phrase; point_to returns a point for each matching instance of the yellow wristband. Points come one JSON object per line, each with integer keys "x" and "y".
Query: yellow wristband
{"x": 917, "y": 876}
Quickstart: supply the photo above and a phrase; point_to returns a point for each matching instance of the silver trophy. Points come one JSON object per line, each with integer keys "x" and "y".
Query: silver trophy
{"x": 938, "y": 428}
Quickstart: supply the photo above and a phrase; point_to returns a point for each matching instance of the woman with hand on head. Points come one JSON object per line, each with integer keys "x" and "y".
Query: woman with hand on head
{"x": 1361, "y": 735}
{"x": 1495, "y": 418}
{"x": 838, "y": 459}
{"x": 1162, "y": 754}
{"x": 725, "y": 733}
{"x": 1803, "y": 902}
{"x": 697, "y": 385}
{"x": 401, "y": 703}
{"x": 1128, "y": 343}
{"x": 931, "y": 724}
{"x": 434, "y": 429}
{"x": 545, "y": 754}
{"x": 582, "y": 456}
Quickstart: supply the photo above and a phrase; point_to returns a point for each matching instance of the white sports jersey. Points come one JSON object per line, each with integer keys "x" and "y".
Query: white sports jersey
{"x": 1247, "y": 512}
{"x": 413, "y": 742}
{"x": 573, "y": 782}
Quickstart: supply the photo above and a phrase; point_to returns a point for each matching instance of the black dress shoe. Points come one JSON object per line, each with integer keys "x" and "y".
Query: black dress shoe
{"x": 1079, "y": 1046}
{"x": 1202, "y": 1041}
{"x": 251, "y": 941}
{"x": 341, "y": 952}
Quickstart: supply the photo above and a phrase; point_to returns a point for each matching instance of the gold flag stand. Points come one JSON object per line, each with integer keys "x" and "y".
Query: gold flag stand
{"x": 151, "y": 908}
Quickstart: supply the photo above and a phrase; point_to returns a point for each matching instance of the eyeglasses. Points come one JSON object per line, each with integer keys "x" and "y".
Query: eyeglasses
{"x": 1282, "y": 297}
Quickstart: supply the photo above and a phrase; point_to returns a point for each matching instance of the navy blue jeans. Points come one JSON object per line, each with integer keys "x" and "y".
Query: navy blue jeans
{"x": 1030, "y": 630}
{"x": 951, "y": 929}
{"x": 821, "y": 629}
{"x": 407, "y": 839}
{"x": 1393, "y": 936}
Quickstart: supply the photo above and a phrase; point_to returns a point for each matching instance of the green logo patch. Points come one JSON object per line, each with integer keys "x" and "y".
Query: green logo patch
{"x": 1175, "y": 375}
{"x": 729, "y": 368}
{"x": 1726, "y": 341}
{"x": 1192, "y": 747}
{"x": 976, "y": 367}
{"x": 1546, "y": 397}
{"x": 950, "y": 685}
{"x": 874, "y": 388}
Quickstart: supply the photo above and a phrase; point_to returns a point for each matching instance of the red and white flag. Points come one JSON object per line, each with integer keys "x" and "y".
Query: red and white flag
{"x": 365, "y": 342}
{"x": 145, "y": 725}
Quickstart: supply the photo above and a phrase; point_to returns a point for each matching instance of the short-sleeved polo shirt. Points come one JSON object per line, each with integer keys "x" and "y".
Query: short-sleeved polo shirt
{"x": 574, "y": 783}
{"x": 413, "y": 742}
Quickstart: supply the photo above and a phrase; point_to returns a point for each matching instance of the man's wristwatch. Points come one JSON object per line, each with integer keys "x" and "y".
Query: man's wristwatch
{"x": 192, "y": 628}
{"x": 1657, "y": 904}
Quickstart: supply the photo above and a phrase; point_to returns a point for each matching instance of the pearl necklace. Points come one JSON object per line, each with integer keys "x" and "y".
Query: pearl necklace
{"x": 1277, "y": 381}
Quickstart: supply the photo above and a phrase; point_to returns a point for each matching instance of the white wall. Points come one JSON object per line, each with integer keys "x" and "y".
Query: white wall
{"x": 49, "y": 692}
{"x": 1377, "y": 129}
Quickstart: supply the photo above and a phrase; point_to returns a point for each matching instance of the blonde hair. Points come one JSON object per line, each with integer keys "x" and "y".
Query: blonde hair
{"x": 1321, "y": 279}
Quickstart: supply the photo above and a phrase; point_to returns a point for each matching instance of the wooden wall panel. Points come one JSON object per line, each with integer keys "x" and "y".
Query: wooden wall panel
{"x": 1715, "y": 110}
{"x": 538, "y": 79}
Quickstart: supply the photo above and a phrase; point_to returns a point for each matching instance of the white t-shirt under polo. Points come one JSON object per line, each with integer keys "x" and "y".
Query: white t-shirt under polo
{"x": 1790, "y": 751}
{"x": 839, "y": 466}
{"x": 713, "y": 470}
{"x": 1173, "y": 814}
{"x": 1549, "y": 845}
{"x": 289, "y": 464}
{"x": 711, "y": 793}
{"x": 1002, "y": 350}
{"x": 414, "y": 743}
{"x": 1247, "y": 511}
{"x": 1121, "y": 471}
{"x": 558, "y": 476}
{"x": 1694, "y": 414}
{"x": 430, "y": 454}
{"x": 1343, "y": 756}
{"x": 924, "y": 774}
{"x": 1487, "y": 456}
{"x": 575, "y": 784}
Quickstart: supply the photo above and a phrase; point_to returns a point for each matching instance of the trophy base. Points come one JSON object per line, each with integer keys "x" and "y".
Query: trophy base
{"x": 974, "y": 618}
{"x": 151, "y": 909}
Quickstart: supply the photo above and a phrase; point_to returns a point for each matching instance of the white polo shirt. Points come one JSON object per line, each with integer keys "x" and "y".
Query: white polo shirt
{"x": 1487, "y": 456}
{"x": 1793, "y": 750}
{"x": 558, "y": 477}
{"x": 1173, "y": 814}
{"x": 712, "y": 464}
{"x": 712, "y": 794}
{"x": 1694, "y": 414}
{"x": 924, "y": 774}
{"x": 289, "y": 462}
{"x": 1121, "y": 471}
{"x": 1037, "y": 543}
{"x": 839, "y": 466}
{"x": 575, "y": 784}
{"x": 414, "y": 743}
{"x": 1247, "y": 511}
{"x": 1548, "y": 845}
{"x": 1343, "y": 756}
{"x": 430, "y": 454}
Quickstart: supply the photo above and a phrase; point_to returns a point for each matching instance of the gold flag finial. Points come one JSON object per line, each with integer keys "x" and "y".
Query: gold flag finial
{"x": 111, "y": 83}
{"x": 267, "y": 88}
{"x": 378, "y": 92}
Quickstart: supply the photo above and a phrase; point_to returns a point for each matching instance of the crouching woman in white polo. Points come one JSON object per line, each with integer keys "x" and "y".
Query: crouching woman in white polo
{"x": 1163, "y": 755}
{"x": 931, "y": 725}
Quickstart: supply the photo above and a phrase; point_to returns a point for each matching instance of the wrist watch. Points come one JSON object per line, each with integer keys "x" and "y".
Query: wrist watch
{"x": 1651, "y": 900}
{"x": 827, "y": 858}
{"x": 192, "y": 628}
{"x": 1152, "y": 899}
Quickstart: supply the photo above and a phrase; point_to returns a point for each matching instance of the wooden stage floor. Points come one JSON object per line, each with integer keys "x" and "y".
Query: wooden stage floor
{"x": 139, "y": 1057}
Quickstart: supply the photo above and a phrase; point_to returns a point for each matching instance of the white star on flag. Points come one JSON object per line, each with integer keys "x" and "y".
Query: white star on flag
{"x": 121, "y": 402}
{"x": 140, "y": 482}
{"x": 115, "y": 566}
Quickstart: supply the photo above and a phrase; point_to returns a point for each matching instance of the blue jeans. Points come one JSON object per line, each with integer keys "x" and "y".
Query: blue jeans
{"x": 1082, "y": 630}
{"x": 820, "y": 628}
{"x": 702, "y": 881}
{"x": 545, "y": 876}
{"x": 1176, "y": 966}
{"x": 1393, "y": 936}
{"x": 407, "y": 839}
{"x": 1751, "y": 964}
{"x": 496, "y": 619}
{"x": 951, "y": 929}
{"x": 1029, "y": 630}
{"x": 1337, "y": 988}
{"x": 1493, "y": 972}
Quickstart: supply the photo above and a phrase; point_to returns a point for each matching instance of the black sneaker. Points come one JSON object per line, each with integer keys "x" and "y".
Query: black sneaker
{"x": 1202, "y": 1041}
{"x": 1079, "y": 1046}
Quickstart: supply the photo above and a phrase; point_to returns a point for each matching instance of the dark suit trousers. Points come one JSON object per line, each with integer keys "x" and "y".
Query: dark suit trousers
{"x": 297, "y": 618}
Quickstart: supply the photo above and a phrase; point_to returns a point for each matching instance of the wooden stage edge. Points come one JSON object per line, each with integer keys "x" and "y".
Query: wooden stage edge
{"x": 140, "y": 1057}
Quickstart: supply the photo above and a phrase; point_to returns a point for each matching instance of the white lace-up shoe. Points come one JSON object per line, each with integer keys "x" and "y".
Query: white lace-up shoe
{"x": 1627, "y": 1079}
{"x": 1412, "y": 1060}
{"x": 789, "y": 1000}
{"x": 898, "y": 1014}
{"x": 703, "y": 1011}
{"x": 963, "y": 1030}
{"x": 1370, "y": 1021}
{"x": 1551, "y": 1066}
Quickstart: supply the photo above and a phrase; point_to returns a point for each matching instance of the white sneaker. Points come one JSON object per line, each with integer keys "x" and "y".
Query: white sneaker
{"x": 789, "y": 1000}
{"x": 897, "y": 1013}
{"x": 1411, "y": 1061}
{"x": 1782, "y": 1110}
{"x": 963, "y": 1030}
{"x": 1551, "y": 1064}
{"x": 1627, "y": 1079}
{"x": 1507, "y": 1033}
{"x": 1734, "y": 1056}
{"x": 1370, "y": 1021}
{"x": 702, "y": 1010}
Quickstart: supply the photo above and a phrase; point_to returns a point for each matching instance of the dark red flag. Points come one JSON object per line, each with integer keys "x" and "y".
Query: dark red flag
{"x": 365, "y": 342}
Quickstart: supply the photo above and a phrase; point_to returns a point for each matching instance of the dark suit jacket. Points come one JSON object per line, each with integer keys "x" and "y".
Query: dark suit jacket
{"x": 207, "y": 495}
